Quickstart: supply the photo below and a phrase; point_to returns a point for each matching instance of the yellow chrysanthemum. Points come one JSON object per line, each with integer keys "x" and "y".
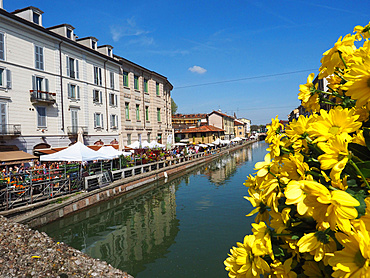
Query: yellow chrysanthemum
{"x": 294, "y": 167}
{"x": 334, "y": 207}
{"x": 358, "y": 85}
{"x": 362, "y": 32}
{"x": 331, "y": 58}
{"x": 354, "y": 260}
{"x": 263, "y": 245}
{"x": 295, "y": 195}
{"x": 335, "y": 156}
{"x": 283, "y": 270}
{"x": 336, "y": 122}
{"x": 314, "y": 269}
{"x": 242, "y": 263}
{"x": 260, "y": 207}
{"x": 273, "y": 129}
{"x": 280, "y": 221}
{"x": 317, "y": 244}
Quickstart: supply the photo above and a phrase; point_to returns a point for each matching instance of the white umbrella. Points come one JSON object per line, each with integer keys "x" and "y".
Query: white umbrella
{"x": 180, "y": 144}
{"x": 134, "y": 145}
{"x": 76, "y": 152}
{"x": 145, "y": 144}
{"x": 218, "y": 141}
{"x": 155, "y": 144}
{"x": 110, "y": 151}
{"x": 236, "y": 139}
{"x": 203, "y": 145}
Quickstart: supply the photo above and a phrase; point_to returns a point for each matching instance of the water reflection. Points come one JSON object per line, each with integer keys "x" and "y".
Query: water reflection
{"x": 168, "y": 229}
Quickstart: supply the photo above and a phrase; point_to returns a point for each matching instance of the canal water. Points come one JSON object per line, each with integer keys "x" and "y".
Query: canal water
{"x": 172, "y": 229}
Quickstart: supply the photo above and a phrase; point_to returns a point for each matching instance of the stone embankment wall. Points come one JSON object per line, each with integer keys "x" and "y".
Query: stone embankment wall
{"x": 28, "y": 253}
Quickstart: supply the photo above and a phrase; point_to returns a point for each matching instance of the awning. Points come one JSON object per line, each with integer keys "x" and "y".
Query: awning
{"x": 15, "y": 156}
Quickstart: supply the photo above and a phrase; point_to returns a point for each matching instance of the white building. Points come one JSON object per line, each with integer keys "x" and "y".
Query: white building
{"x": 54, "y": 85}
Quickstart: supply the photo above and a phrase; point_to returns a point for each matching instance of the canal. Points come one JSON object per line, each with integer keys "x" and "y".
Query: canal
{"x": 182, "y": 227}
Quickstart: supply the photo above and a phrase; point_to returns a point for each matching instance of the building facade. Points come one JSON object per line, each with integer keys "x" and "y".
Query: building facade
{"x": 239, "y": 128}
{"x": 222, "y": 121}
{"x": 54, "y": 85}
{"x": 247, "y": 126}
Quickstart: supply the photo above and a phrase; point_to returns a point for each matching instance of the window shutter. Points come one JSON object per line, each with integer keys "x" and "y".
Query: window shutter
{"x": 115, "y": 100}
{"x": 34, "y": 88}
{"x": 100, "y": 97}
{"x": 8, "y": 79}
{"x": 67, "y": 63}
{"x": 41, "y": 58}
{"x": 95, "y": 119}
{"x": 77, "y": 70}
{"x": 78, "y": 92}
{"x": 102, "y": 122}
{"x": 46, "y": 85}
{"x": 69, "y": 91}
{"x": 2, "y": 46}
{"x": 100, "y": 79}
{"x": 111, "y": 121}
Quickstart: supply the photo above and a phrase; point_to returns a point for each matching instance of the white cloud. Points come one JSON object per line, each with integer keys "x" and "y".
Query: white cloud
{"x": 198, "y": 69}
{"x": 128, "y": 29}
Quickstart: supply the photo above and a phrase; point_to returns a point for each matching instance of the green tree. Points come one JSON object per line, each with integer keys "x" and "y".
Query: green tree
{"x": 173, "y": 107}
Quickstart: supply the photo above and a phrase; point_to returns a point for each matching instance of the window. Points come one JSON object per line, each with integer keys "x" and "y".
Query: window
{"x": 40, "y": 84}
{"x": 69, "y": 33}
{"x": 112, "y": 99}
{"x": 145, "y": 85}
{"x": 93, "y": 44}
{"x": 73, "y": 91}
{"x": 112, "y": 80}
{"x": 125, "y": 79}
{"x": 41, "y": 116}
{"x": 72, "y": 68}
{"x": 36, "y": 18}
{"x": 128, "y": 139}
{"x": 138, "y": 112}
{"x": 39, "y": 57}
{"x": 127, "y": 110}
{"x": 113, "y": 121}
{"x": 97, "y": 96}
{"x": 5, "y": 78}
{"x": 109, "y": 52}
{"x": 148, "y": 137}
{"x": 147, "y": 113}
{"x": 136, "y": 82}
{"x": 157, "y": 88}
{"x": 158, "y": 114}
{"x": 97, "y": 76}
{"x": 98, "y": 120}
{"x": 2, "y": 46}
{"x": 74, "y": 121}
{"x": 3, "y": 118}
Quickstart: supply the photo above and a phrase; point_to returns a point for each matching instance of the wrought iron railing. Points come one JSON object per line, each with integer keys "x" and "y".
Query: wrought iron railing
{"x": 73, "y": 130}
{"x": 10, "y": 129}
{"x": 41, "y": 96}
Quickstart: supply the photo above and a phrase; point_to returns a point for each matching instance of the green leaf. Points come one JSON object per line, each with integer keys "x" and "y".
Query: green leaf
{"x": 359, "y": 151}
{"x": 359, "y": 196}
{"x": 367, "y": 136}
{"x": 364, "y": 168}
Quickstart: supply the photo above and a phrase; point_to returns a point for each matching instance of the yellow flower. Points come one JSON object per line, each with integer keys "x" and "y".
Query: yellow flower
{"x": 335, "y": 207}
{"x": 362, "y": 32}
{"x": 335, "y": 156}
{"x": 273, "y": 129}
{"x": 358, "y": 85}
{"x": 263, "y": 245}
{"x": 314, "y": 270}
{"x": 336, "y": 122}
{"x": 317, "y": 244}
{"x": 260, "y": 208}
{"x": 354, "y": 259}
{"x": 281, "y": 270}
{"x": 294, "y": 167}
{"x": 295, "y": 194}
{"x": 331, "y": 58}
{"x": 242, "y": 263}
{"x": 263, "y": 167}
{"x": 280, "y": 221}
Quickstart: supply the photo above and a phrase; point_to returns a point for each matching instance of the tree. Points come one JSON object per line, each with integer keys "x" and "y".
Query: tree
{"x": 173, "y": 107}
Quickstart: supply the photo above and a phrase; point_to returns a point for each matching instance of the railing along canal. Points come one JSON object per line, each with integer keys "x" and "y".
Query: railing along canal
{"x": 44, "y": 184}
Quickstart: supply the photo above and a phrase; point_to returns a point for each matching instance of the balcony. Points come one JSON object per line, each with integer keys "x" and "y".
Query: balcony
{"x": 42, "y": 97}
{"x": 10, "y": 130}
{"x": 73, "y": 130}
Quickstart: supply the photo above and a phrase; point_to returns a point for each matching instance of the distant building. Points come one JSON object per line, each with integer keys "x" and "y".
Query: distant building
{"x": 239, "y": 127}
{"x": 200, "y": 135}
{"x": 222, "y": 121}
{"x": 247, "y": 126}
{"x": 184, "y": 121}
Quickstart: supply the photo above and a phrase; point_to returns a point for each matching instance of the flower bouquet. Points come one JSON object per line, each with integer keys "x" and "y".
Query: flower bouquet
{"x": 311, "y": 192}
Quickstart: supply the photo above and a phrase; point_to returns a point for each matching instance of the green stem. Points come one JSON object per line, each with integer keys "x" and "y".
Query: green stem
{"x": 359, "y": 172}
{"x": 341, "y": 57}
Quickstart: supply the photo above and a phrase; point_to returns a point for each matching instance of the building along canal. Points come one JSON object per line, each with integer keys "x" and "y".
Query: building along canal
{"x": 180, "y": 227}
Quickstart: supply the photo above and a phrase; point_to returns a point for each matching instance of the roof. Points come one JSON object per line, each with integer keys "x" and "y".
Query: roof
{"x": 221, "y": 114}
{"x": 28, "y": 8}
{"x": 54, "y": 150}
{"x": 14, "y": 156}
{"x": 61, "y": 25}
{"x": 237, "y": 122}
{"x": 188, "y": 116}
{"x": 203, "y": 128}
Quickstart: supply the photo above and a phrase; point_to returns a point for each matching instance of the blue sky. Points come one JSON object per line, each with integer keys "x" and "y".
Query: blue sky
{"x": 243, "y": 57}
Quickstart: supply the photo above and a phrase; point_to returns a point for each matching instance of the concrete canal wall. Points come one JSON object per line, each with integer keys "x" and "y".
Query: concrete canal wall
{"x": 35, "y": 217}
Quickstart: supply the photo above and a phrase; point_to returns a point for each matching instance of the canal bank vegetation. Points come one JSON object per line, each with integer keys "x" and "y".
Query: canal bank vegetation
{"x": 311, "y": 193}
